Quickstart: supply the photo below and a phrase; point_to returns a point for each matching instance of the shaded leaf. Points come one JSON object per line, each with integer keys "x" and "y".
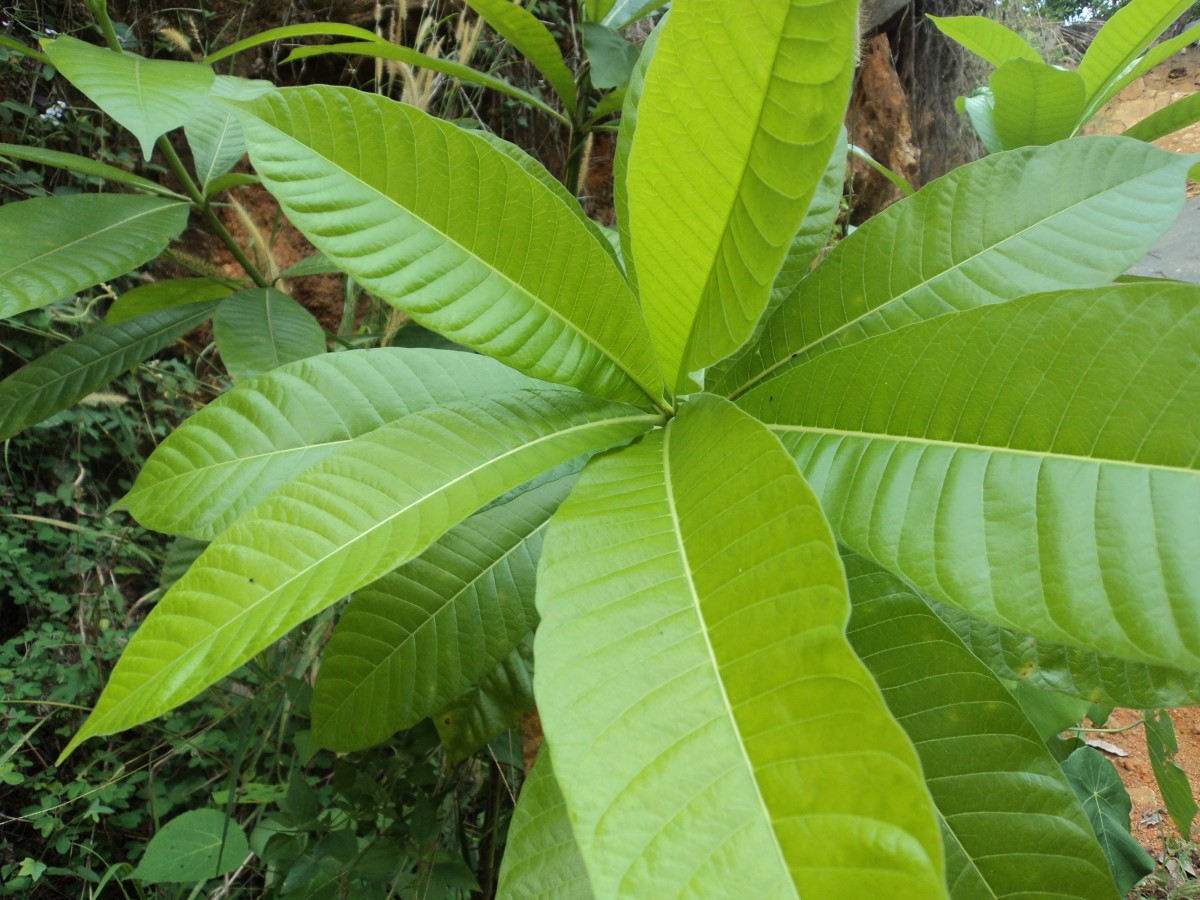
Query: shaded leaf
{"x": 84, "y": 166}
{"x": 1167, "y": 120}
{"x": 148, "y": 96}
{"x": 194, "y": 846}
{"x": 55, "y": 246}
{"x": 260, "y": 329}
{"x": 692, "y": 659}
{"x": 267, "y": 430}
{"x": 1092, "y": 676}
{"x": 68, "y": 373}
{"x": 1006, "y": 808}
{"x": 412, "y": 642}
{"x": 623, "y": 13}
{"x": 611, "y": 57}
{"x": 337, "y": 527}
{"x": 1074, "y": 214}
{"x": 525, "y": 32}
{"x": 1123, "y": 38}
{"x": 507, "y": 269}
{"x": 159, "y": 295}
{"x": 1162, "y": 747}
{"x": 541, "y": 859}
{"x": 1106, "y": 802}
{"x": 1034, "y": 463}
{"x": 484, "y": 712}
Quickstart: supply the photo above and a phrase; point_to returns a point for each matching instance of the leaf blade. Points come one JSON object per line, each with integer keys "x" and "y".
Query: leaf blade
{"x": 260, "y": 329}
{"x": 657, "y": 718}
{"x": 55, "y": 246}
{"x": 532, "y": 40}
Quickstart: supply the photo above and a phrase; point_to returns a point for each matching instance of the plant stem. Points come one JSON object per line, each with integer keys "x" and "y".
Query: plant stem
{"x": 1079, "y": 730}
{"x": 202, "y": 206}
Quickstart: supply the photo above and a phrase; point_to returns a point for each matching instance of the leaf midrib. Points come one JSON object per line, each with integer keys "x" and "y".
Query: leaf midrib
{"x": 694, "y": 595}
{"x": 519, "y": 288}
{"x": 88, "y": 730}
{"x": 795, "y": 355}
{"x": 982, "y": 448}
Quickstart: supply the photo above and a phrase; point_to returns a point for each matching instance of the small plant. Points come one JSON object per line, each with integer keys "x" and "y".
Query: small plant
{"x": 752, "y": 518}
{"x": 1028, "y": 101}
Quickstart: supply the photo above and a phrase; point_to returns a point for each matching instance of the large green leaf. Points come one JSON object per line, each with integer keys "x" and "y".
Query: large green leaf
{"x": 1179, "y": 114}
{"x": 1155, "y": 55}
{"x": 986, "y": 38}
{"x": 267, "y": 430}
{"x": 214, "y": 134}
{"x": 1009, "y": 816}
{"x": 366, "y": 509}
{"x": 69, "y": 372}
{"x": 484, "y": 712}
{"x": 1074, "y": 214}
{"x": 413, "y": 641}
{"x": 1095, "y": 677}
{"x": 55, "y": 246}
{"x": 1034, "y": 463}
{"x": 148, "y": 96}
{"x": 709, "y": 721}
{"x": 85, "y": 166}
{"x": 260, "y": 329}
{"x": 1106, "y": 802}
{"x": 504, "y": 267}
{"x": 541, "y": 859}
{"x": 1035, "y": 103}
{"x": 757, "y": 136}
{"x": 1177, "y": 793}
{"x": 531, "y": 39}
{"x": 625, "y": 133}
{"x": 1124, "y": 38}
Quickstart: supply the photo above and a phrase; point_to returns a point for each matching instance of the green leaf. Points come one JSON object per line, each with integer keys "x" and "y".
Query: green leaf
{"x": 214, "y": 134}
{"x": 898, "y": 181}
{"x": 1074, "y": 214}
{"x": 260, "y": 329}
{"x": 25, "y": 50}
{"x": 1168, "y": 120}
{"x": 611, "y": 57}
{"x": 228, "y": 181}
{"x": 487, "y": 710}
{"x": 1099, "y": 788}
{"x": 1033, "y": 463}
{"x": 705, "y": 710}
{"x": 68, "y": 373}
{"x": 412, "y": 642}
{"x": 337, "y": 527}
{"x": 507, "y": 269}
{"x": 411, "y": 57}
{"x": 159, "y": 295}
{"x": 1124, "y": 38}
{"x": 180, "y": 555}
{"x": 1008, "y": 813}
{"x": 85, "y": 166}
{"x": 625, "y": 134}
{"x": 1155, "y": 55}
{"x": 1035, "y": 103}
{"x": 316, "y": 264}
{"x": 986, "y": 38}
{"x": 1162, "y": 746}
{"x": 148, "y": 96}
{"x": 312, "y": 29}
{"x": 533, "y": 41}
{"x": 539, "y": 171}
{"x": 55, "y": 246}
{"x": 541, "y": 859}
{"x": 267, "y": 430}
{"x": 624, "y": 13}
{"x": 979, "y": 107}
{"x": 758, "y": 144}
{"x": 194, "y": 846}
{"x": 1086, "y": 674}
